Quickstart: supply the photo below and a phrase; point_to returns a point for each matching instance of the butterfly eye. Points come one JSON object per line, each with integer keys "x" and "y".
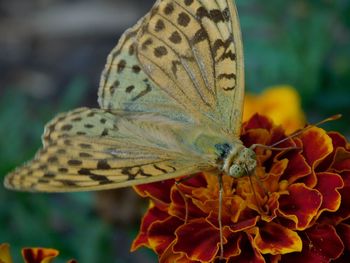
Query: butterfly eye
{"x": 236, "y": 171}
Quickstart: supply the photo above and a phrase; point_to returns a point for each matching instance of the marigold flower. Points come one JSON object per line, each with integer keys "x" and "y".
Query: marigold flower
{"x": 31, "y": 255}
{"x": 280, "y": 103}
{"x": 295, "y": 207}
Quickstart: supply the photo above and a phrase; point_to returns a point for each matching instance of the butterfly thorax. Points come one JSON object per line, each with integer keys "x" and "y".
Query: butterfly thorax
{"x": 235, "y": 159}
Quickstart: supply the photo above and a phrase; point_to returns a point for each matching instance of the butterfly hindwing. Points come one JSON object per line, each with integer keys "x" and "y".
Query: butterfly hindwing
{"x": 92, "y": 149}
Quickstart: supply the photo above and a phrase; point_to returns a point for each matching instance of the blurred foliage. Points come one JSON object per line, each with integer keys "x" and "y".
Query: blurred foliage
{"x": 301, "y": 43}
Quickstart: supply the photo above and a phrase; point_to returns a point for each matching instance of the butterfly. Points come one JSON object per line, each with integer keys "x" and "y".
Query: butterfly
{"x": 171, "y": 98}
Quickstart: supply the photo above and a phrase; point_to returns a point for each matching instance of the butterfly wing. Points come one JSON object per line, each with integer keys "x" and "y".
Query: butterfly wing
{"x": 93, "y": 149}
{"x": 184, "y": 59}
{"x": 173, "y": 77}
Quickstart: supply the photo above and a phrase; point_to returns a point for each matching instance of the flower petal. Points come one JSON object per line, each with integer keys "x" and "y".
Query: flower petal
{"x": 198, "y": 239}
{"x": 326, "y": 241}
{"x": 39, "y": 255}
{"x": 341, "y": 160}
{"x": 5, "y": 256}
{"x": 343, "y": 212}
{"x": 301, "y": 205}
{"x": 297, "y": 167}
{"x": 232, "y": 247}
{"x": 321, "y": 244}
{"x": 178, "y": 206}
{"x": 328, "y": 185}
{"x": 169, "y": 256}
{"x": 337, "y": 141}
{"x": 317, "y": 145}
{"x": 272, "y": 238}
{"x": 343, "y": 231}
{"x": 249, "y": 253}
{"x": 161, "y": 234}
{"x": 280, "y": 103}
{"x": 153, "y": 215}
{"x": 159, "y": 191}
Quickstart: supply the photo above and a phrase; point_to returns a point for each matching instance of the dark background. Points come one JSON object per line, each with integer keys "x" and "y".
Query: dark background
{"x": 51, "y": 55}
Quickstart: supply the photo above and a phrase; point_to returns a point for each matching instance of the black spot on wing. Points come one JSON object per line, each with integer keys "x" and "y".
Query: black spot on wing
{"x": 130, "y": 89}
{"x": 183, "y": 19}
{"x": 160, "y": 51}
{"x": 199, "y": 36}
{"x": 159, "y": 25}
{"x": 66, "y": 127}
{"x": 188, "y": 2}
{"x": 103, "y": 165}
{"x": 74, "y": 162}
{"x": 144, "y": 92}
{"x": 227, "y": 76}
{"x": 146, "y": 44}
{"x": 169, "y": 9}
{"x": 101, "y": 179}
{"x": 175, "y": 38}
{"x": 121, "y": 65}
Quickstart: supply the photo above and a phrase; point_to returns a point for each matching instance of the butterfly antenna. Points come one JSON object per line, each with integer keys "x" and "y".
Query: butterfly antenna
{"x": 294, "y": 134}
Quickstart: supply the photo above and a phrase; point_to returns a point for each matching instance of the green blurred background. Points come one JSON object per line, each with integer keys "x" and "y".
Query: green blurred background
{"x": 51, "y": 55}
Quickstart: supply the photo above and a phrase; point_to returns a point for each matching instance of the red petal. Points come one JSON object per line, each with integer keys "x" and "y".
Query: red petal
{"x": 244, "y": 224}
{"x": 328, "y": 185}
{"x": 271, "y": 183}
{"x": 195, "y": 181}
{"x": 317, "y": 145}
{"x": 169, "y": 256}
{"x": 297, "y": 168}
{"x": 159, "y": 191}
{"x": 178, "y": 208}
{"x": 343, "y": 231}
{"x": 321, "y": 244}
{"x": 337, "y": 141}
{"x": 341, "y": 160}
{"x": 272, "y": 238}
{"x": 259, "y": 136}
{"x": 152, "y": 215}
{"x": 326, "y": 241}
{"x": 258, "y": 122}
{"x": 249, "y": 253}
{"x": 198, "y": 239}
{"x": 343, "y": 212}
{"x": 162, "y": 233}
{"x": 39, "y": 255}
{"x": 232, "y": 247}
{"x": 301, "y": 205}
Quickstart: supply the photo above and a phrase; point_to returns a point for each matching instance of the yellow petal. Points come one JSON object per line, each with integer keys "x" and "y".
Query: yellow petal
{"x": 5, "y": 256}
{"x": 280, "y": 103}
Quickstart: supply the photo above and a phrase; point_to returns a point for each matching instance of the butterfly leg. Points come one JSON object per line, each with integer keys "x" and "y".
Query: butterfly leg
{"x": 177, "y": 183}
{"x": 266, "y": 192}
{"x": 220, "y": 216}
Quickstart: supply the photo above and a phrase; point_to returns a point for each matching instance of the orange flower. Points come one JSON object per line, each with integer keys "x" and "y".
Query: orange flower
{"x": 295, "y": 207}
{"x": 280, "y": 103}
{"x": 31, "y": 255}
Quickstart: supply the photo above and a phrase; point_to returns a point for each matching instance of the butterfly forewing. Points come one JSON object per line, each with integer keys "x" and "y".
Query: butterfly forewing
{"x": 190, "y": 58}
